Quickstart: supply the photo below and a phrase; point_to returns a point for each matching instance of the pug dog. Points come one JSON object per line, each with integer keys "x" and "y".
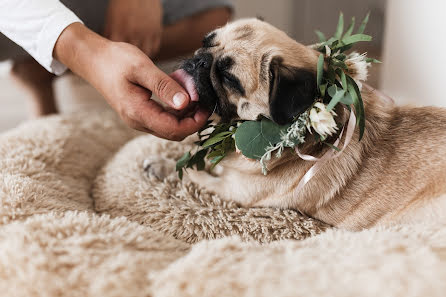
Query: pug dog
{"x": 395, "y": 174}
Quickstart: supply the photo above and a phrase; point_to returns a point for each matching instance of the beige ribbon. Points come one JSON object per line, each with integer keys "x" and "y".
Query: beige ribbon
{"x": 329, "y": 155}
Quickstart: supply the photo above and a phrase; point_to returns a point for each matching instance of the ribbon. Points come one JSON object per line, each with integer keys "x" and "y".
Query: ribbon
{"x": 330, "y": 155}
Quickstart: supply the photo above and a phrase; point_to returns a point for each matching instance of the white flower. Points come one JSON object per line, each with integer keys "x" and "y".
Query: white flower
{"x": 322, "y": 120}
{"x": 357, "y": 66}
{"x": 327, "y": 51}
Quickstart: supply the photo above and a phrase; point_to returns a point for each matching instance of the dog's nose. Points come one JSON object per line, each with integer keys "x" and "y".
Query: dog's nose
{"x": 199, "y": 62}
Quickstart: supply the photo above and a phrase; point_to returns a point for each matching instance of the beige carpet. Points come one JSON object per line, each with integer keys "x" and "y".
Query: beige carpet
{"x": 79, "y": 218}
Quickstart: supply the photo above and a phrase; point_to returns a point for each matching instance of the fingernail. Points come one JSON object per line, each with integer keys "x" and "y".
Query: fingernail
{"x": 179, "y": 99}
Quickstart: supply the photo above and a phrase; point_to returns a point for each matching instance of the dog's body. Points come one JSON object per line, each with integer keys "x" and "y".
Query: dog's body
{"x": 396, "y": 173}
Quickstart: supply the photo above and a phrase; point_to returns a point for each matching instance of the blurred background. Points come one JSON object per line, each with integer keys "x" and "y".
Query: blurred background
{"x": 409, "y": 37}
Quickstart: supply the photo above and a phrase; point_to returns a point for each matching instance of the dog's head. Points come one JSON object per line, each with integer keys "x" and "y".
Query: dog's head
{"x": 249, "y": 69}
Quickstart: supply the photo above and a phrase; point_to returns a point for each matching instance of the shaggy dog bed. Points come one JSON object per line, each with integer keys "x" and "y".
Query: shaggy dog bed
{"x": 78, "y": 217}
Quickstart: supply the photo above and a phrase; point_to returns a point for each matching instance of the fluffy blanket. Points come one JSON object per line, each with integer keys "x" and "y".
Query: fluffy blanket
{"x": 78, "y": 217}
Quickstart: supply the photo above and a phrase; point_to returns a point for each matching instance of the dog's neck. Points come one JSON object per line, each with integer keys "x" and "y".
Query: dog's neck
{"x": 335, "y": 174}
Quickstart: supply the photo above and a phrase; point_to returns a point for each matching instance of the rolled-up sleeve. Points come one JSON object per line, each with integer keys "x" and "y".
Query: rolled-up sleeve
{"x": 175, "y": 10}
{"x": 36, "y": 25}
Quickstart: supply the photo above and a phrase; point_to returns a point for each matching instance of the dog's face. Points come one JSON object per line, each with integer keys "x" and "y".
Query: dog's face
{"x": 249, "y": 69}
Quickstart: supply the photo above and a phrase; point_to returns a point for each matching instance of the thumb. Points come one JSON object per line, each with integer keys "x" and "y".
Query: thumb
{"x": 167, "y": 89}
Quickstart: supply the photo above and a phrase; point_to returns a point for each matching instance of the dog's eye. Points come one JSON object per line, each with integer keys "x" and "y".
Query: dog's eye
{"x": 227, "y": 77}
{"x": 232, "y": 82}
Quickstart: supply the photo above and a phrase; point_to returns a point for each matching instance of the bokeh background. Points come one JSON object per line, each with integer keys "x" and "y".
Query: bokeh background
{"x": 409, "y": 37}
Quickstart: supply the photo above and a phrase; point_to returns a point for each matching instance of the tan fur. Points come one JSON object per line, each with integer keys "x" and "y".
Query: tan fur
{"x": 393, "y": 175}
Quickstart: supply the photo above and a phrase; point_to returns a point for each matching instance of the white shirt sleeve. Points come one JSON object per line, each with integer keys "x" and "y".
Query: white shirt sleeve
{"x": 35, "y": 25}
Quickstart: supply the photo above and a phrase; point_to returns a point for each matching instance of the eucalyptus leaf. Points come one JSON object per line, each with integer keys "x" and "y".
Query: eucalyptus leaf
{"x": 355, "y": 93}
{"x": 322, "y": 89}
{"x": 340, "y": 27}
{"x": 216, "y": 139}
{"x": 341, "y": 57}
{"x": 331, "y": 75}
{"x": 216, "y": 160}
{"x": 336, "y": 99}
{"x": 371, "y": 60}
{"x": 332, "y": 90}
{"x": 182, "y": 162}
{"x": 347, "y": 100}
{"x": 197, "y": 160}
{"x": 252, "y": 138}
{"x": 339, "y": 63}
{"x": 350, "y": 29}
{"x": 321, "y": 36}
{"x": 356, "y": 38}
{"x": 330, "y": 41}
{"x": 320, "y": 70}
{"x": 214, "y": 154}
{"x": 364, "y": 24}
{"x": 345, "y": 48}
{"x": 333, "y": 146}
{"x": 341, "y": 75}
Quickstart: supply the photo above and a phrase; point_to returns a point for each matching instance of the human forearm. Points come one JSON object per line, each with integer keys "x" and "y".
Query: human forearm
{"x": 78, "y": 48}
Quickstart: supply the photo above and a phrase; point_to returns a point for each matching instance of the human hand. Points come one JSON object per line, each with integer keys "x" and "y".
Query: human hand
{"x": 138, "y": 22}
{"x": 126, "y": 77}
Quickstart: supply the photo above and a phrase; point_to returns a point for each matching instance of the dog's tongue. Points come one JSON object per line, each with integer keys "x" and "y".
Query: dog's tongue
{"x": 187, "y": 82}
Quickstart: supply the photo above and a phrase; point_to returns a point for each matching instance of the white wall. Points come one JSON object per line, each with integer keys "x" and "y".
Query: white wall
{"x": 414, "y": 52}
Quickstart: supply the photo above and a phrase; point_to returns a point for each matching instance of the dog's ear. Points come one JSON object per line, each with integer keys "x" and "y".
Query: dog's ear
{"x": 292, "y": 91}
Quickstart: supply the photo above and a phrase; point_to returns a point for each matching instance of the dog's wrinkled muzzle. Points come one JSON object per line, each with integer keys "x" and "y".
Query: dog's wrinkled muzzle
{"x": 195, "y": 76}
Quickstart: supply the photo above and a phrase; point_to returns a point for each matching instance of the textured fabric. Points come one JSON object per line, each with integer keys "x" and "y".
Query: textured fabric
{"x": 78, "y": 217}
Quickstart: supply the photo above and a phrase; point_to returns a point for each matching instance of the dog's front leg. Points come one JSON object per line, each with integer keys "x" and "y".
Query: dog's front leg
{"x": 229, "y": 184}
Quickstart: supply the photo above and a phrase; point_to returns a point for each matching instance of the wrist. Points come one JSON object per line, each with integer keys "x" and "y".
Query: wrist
{"x": 78, "y": 47}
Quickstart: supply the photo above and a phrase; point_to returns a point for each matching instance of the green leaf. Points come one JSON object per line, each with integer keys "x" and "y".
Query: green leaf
{"x": 336, "y": 99}
{"x": 214, "y": 154}
{"x": 183, "y": 161}
{"x": 344, "y": 48}
{"x": 347, "y": 100}
{"x": 323, "y": 88}
{"x": 252, "y": 138}
{"x": 341, "y": 57}
{"x": 216, "y": 160}
{"x": 338, "y": 63}
{"x": 331, "y": 75}
{"x": 356, "y": 38}
{"x": 320, "y": 35}
{"x": 332, "y": 90}
{"x": 364, "y": 24}
{"x": 371, "y": 60}
{"x": 350, "y": 29}
{"x": 216, "y": 139}
{"x": 355, "y": 93}
{"x": 198, "y": 160}
{"x": 340, "y": 27}
{"x": 320, "y": 70}
{"x": 341, "y": 75}
{"x": 332, "y": 146}
{"x": 330, "y": 41}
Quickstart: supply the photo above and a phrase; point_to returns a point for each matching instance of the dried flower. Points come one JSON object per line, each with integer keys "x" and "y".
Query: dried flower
{"x": 358, "y": 67}
{"x": 322, "y": 120}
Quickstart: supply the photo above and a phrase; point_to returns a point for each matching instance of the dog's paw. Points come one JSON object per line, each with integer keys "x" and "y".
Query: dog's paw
{"x": 158, "y": 167}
